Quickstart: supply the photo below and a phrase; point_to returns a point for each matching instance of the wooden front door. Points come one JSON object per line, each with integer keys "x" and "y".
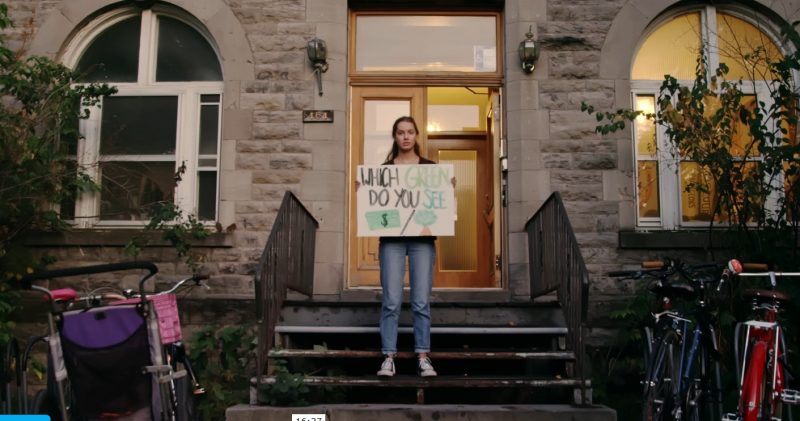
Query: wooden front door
{"x": 463, "y": 261}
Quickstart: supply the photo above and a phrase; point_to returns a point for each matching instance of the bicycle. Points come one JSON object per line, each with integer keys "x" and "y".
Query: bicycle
{"x": 682, "y": 371}
{"x": 762, "y": 373}
{"x": 166, "y": 364}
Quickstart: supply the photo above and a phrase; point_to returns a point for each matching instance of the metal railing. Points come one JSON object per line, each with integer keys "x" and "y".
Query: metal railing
{"x": 555, "y": 263}
{"x": 287, "y": 262}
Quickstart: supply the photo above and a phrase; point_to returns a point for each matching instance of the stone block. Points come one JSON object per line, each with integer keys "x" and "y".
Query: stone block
{"x": 572, "y": 125}
{"x": 227, "y": 155}
{"x": 237, "y": 124}
{"x": 329, "y": 214}
{"x": 277, "y": 176}
{"x": 618, "y": 185}
{"x": 278, "y": 117}
{"x": 331, "y": 11}
{"x": 260, "y": 146}
{"x": 250, "y": 206}
{"x": 276, "y": 130}
{"x": 329, "y": 247}
{"x": 573, "y": 64}
{"x": 327, "y": 131}
{"x": 288, "y": 161}
{"x": 263, "y": 101}
{"x": 323, "y": 185}
{"x": 234, "y": 185}
{"x": 328, "y": 278}
{"x": 271, "y": 192}
{"x": 252, "y": 161}
{"x": 523, "y": 94}
{"x": 595, "y": 161}
{"x": 329, "y": 156}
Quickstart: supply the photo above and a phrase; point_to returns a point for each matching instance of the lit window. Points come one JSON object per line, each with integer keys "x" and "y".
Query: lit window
{"x": 666, "y": 183}
{"x": 164, "y": 120}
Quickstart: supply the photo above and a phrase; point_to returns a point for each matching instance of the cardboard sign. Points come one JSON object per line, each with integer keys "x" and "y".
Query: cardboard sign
{"x": 405, "y": 200}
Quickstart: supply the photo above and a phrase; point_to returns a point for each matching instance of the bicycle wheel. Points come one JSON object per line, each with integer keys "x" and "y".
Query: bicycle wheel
{"x": 703, "y": 395}
{"x": 658, "y": 394}
{"x": 755, "y": 383}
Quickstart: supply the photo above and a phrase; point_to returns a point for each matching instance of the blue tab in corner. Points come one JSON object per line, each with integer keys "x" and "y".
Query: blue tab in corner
{"x": 24, "y": 418}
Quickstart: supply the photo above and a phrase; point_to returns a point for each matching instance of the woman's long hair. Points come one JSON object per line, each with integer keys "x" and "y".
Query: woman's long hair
{"x": 396, "y": 149}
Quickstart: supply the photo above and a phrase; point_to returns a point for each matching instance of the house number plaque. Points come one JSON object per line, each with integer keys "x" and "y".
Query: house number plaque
{"x": 317, "y": 116}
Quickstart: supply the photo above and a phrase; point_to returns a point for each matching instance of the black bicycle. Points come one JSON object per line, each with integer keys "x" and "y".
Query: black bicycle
{"x": 682, "y": 369}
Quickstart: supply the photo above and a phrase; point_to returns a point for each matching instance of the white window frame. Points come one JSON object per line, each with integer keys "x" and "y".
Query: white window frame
{"x": 669, "y": 183}
{"x": 187, "y": 142}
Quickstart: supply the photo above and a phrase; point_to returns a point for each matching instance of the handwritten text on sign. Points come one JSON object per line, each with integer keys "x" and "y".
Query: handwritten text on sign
{"x": 405, "y": 200}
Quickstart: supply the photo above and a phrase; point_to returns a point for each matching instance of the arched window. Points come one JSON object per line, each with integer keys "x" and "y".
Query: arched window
{"x": 158, "y": 138}
{"x": 673, "y": 48}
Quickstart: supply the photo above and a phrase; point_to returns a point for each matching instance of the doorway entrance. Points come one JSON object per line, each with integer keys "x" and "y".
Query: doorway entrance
{"x": 456, "y": 125}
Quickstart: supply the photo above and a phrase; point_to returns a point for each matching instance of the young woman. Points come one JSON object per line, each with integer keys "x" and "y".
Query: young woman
{"x": 421, "y": 253}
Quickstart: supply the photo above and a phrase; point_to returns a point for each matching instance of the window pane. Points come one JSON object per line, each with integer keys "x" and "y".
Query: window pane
{"x": 648, "y": 195}
{"x": 737, "y": 39}
{"x": 460, "y": 253}
{"x": 457, "y": 109}
{"x": 184, "y": 54}
{"x": 139, "y": 125}
{"x": 680, "y": 36}
{"x": 696, "y": 206}
{"x": 209, "y": 125}
{"x": 69, "y": 194}
{"x": 645, "y": 129}
{"x": 114, "y": 55}
{"x": 209, "y": 98}
{"x": 742, "y": 142}
{"x": 129, "y": 189}
{"x": 426, "y": 43}
{"x": 379, "y": 115}
{"x": 207, "y": 195}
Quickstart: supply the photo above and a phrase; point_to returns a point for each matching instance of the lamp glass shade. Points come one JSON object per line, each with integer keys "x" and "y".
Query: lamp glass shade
{"x": 317, "y": 50}
{"x": 528, "y": 51}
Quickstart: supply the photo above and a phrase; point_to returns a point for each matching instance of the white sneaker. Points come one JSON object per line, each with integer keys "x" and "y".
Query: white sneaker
{"x": 387, "y": 368}
{"x": 425, "y": 368}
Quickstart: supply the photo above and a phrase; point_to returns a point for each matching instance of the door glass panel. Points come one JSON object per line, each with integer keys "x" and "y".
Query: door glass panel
{"x": 426, "y": 43}
{"x": 379, "y": 116}
{"x": 139, "y": 125}
{"x": 460, "y": 109}
{"x": 460, "y": 253}
{"x": 114, "y": 55}
{"x": 207, "y": 195}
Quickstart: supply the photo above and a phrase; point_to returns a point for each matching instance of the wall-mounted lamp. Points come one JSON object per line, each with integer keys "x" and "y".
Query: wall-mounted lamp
{"x": 318, "y": 54}
{"x": 528, "y": 52}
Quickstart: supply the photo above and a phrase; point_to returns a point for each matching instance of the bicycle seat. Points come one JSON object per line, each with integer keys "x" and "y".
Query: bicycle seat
{"x": 762, "y": 295}
{"x": 673, "y": 290}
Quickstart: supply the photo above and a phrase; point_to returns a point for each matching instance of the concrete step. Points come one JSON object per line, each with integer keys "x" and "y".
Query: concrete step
{"x": 402, "y": 412}
{"x": 500, "y": 314}
{"x": 459, "y": 382}
{"x": 439, "y": 355}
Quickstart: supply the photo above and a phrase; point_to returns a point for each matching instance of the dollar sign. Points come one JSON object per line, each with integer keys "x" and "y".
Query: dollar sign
{"x": 384, "y": 222}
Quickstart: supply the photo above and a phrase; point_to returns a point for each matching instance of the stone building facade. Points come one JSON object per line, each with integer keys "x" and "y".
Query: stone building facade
{"x": 543, "y": 142}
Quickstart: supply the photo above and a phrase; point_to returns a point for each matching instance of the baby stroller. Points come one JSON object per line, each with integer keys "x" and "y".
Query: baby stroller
{"x": 107, "y": 361}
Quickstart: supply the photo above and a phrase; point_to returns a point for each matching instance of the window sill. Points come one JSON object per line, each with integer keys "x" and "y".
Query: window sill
{"x": 684, "y": 239}
{"x": 115, "y": 238}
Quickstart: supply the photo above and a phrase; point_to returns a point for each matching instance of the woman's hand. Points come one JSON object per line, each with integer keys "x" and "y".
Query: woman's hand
{"x": 453, "y": 182}
{"x": 357, "y": 184}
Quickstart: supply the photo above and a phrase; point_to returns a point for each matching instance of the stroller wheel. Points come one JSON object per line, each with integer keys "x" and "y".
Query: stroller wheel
{"x": 39, "y": 404}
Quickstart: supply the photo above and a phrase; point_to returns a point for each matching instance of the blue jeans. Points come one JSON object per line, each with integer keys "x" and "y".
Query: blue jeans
{"x": 392, "y": 254}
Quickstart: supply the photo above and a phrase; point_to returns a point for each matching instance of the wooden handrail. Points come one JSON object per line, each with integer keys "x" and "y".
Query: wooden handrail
{"x": 286, "y": 262}
{"x": 556, "y": 264}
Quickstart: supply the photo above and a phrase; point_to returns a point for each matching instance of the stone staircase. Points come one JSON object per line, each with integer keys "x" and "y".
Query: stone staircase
{"x": 514, "y": 350}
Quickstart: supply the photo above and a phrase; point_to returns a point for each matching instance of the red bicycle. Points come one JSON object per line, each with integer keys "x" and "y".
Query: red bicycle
{"x": 761, "y": 368}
